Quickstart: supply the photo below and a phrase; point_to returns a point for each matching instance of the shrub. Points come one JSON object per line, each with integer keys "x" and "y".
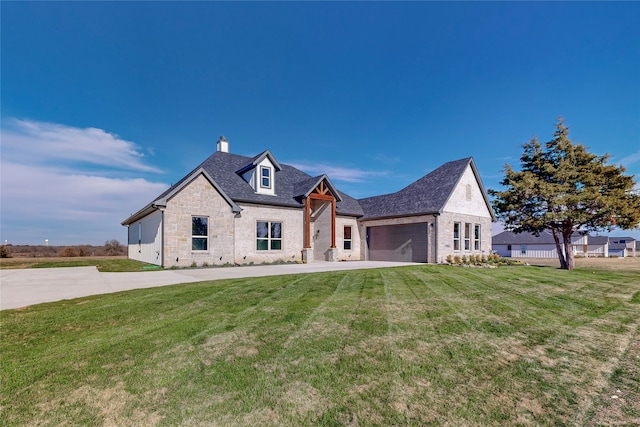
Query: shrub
{"x": 449, "y": 259}
{"x": 69, "y": 251}
{"x": 4, "y": 253}
{"x": 112, "y": 247}
{"x": 456, "y": 260}
{"x": 464, "y": 259}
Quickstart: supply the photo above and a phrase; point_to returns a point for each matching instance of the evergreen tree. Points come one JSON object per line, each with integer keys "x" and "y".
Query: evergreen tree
{"x": 563, "y": 188}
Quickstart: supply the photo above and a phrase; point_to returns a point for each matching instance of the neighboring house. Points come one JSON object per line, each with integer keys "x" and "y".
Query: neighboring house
{"x": 622, "y": 246}
{"x": 527, "y": 245}
{"x": 234, "y": 209}
{"x": 598, "y": 247}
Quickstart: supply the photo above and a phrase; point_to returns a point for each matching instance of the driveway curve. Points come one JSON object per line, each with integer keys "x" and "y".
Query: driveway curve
{"x": 24, "y": 287}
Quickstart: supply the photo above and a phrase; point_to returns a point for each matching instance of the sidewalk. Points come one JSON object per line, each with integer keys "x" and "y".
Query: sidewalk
{"x": 23, "y": 287}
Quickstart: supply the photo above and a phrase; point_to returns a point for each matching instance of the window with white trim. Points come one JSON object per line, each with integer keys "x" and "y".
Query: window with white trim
{"x": 456, "y": 236}
{"x": 265, "y": 177}
{"x": 467, "y": 236}
{"x": 268, "y": 236}
{"x": 476, "y": 237}
{"x": 199, "y": 233}
{"x": 347, "y": 238}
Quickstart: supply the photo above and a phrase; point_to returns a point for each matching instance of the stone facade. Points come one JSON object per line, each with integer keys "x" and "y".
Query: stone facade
{"x": 198, "y": 198}
{"x": 355, "y": 253}
{"x": 292, "y": 221}
{"x": 444, "y": 232}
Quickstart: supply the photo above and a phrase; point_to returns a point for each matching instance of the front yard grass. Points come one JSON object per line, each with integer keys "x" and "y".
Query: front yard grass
{"x": 423, "y": 345}
{"x": 104, "y": 263}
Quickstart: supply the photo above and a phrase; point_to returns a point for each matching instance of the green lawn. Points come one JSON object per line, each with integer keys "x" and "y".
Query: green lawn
{"x": 424, "y": 345}
{"x": 104, "y": 264}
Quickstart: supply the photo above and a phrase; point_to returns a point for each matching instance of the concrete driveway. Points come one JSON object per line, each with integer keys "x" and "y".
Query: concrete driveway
{"x": 20, "y": 288}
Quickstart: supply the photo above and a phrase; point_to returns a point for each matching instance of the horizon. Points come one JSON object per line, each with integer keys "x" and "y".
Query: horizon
{"x": 105, "y": 105}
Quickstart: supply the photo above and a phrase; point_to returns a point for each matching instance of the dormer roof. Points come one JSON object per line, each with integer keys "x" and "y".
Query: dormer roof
{"x": 255, "y": 161}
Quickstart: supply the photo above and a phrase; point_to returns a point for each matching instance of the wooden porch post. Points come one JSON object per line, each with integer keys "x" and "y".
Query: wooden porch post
{"x": 307, "y": 222}
{"x": 333, "y": 223}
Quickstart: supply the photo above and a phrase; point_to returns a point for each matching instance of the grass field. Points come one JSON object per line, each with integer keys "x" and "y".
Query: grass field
{"x": 611, "y": 264}
{"x": 103, "y": 263}
{"x": 424, "y": 345}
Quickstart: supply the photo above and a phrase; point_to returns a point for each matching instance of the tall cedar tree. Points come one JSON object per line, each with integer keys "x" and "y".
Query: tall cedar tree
{"x": 564, "y": 188}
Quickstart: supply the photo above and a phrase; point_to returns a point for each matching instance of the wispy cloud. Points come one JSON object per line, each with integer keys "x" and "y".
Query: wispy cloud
{"x": 37, "y": 142}
{"x": 58, "y": 183}
{"x": 629, "y": 160}
{"x": 337, "y": 173}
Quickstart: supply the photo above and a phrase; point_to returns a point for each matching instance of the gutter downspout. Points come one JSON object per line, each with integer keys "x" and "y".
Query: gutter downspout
{"x": 435, "y": 249}
{"x": 128, "y": 241}
{"x": 162, "y": 238}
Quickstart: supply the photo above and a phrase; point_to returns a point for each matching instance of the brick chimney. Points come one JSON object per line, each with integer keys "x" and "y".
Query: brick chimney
{"x": 223, "y": 145}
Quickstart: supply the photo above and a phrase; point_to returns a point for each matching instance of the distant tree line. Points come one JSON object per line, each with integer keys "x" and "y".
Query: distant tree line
{"x": 110, "y": 248}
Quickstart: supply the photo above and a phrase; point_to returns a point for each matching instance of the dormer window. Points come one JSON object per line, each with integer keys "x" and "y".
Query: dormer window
{"x": 260, "y": 173}
{"x": 265, "y": 177}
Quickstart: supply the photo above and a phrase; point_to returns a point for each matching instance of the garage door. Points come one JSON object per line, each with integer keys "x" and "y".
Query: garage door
{"x": 406, "y": 242}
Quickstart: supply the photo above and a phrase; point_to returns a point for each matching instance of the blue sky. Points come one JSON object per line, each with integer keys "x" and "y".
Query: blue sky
{"x": 105, "y": 104}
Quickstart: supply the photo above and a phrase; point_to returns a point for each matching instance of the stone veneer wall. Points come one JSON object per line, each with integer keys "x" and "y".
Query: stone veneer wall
{"x": 467, "y": 204}
{"x": 445, "y": 235}
{"x": 198, "y": 198}
{"x": 292, "y": 220}
{"x": 355, "y": 254}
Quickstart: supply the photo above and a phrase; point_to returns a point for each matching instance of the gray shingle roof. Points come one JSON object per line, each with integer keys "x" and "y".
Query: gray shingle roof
{"x": 598, "y": 240}
{"x": 427, "y": 195}
{"x": 223, "y": 167}
{"x": 511, "y": 238}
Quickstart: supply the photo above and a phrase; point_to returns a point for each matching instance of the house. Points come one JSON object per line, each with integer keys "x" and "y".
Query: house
{"x": 598, "y": 247}
{"x": 233, "y": 209}
{"x": 527, "y": 245}
{"x": 622, "y": 246}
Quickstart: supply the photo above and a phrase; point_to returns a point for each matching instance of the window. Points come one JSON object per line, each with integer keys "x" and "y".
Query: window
{"x": 523, "y": 249}
{"x": 467, "y": 236}
{"x": 265, "y": 177}
{"x": 199, "y": 233}
{"x": 347, "y": 237}
{"x": 476, "y": 237}
{"x": 456, "y": 236}
{"x": 269, "y": 235}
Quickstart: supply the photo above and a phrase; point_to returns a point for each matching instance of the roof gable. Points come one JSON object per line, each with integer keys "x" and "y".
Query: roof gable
{"x": 427, "y": 195}
{"x": 304, "y": 188}
{"x": 162, "y": 200}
